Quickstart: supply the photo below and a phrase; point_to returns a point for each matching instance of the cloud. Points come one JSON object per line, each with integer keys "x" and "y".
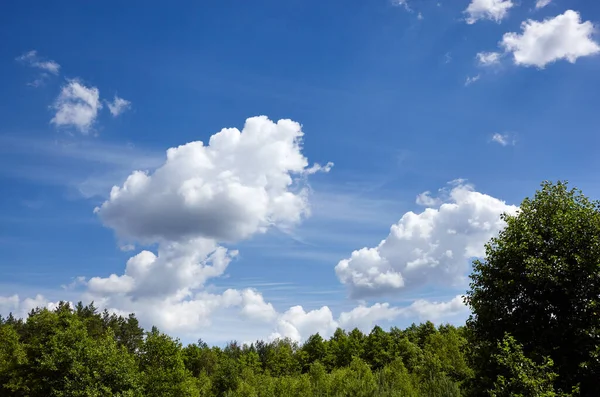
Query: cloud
{"x": 297, "y": 324}
{"x": 118, "y": 106}
{"x": 495, "y": 10}
{"x": 433, "y": 246}
{"x": 403, "y": 3}
{"x": 503, "y": 139}
{"x": 32, "y": 59}
{"x": 553, "y": 39}
{"x": 542, "y": 3}
{"x": 77, "y": 106}
{"x": 488, "y": 58}
{"x": 240, "y": 184}
{"x": 426, "y": 200}
{"x": 178, "y": 266}
{"x": 21, "y": 307}
{"x": 436, "y": 311}
{"x": 470, "y": 80}
{"x": 366, "y": 317}
{"x": 127, "y": 247}
{"x": 234, "y": 313}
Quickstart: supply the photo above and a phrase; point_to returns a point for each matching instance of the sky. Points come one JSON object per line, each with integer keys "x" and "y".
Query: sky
{"x": 232, "y": 170}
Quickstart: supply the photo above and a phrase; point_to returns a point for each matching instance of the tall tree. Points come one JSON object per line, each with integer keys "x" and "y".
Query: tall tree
{"x": 540, "y": 283}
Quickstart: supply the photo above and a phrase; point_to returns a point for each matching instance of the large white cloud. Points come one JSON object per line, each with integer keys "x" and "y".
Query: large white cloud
{"x": 495, "y": 10}
{"x": 433, "y": 246}
{"x": 77, "y": 106}
{"x": 562, "y": 37}
{"x": 239, "y": 184}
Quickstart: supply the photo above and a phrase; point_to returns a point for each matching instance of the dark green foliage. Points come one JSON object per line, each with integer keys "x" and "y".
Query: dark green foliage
{"x": 518, "y": 375}
{"x": 80, "y": 352}
{"x": 540, "y": 283}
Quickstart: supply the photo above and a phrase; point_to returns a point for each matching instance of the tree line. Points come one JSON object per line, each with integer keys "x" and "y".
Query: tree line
{"x": 534, "y": 331}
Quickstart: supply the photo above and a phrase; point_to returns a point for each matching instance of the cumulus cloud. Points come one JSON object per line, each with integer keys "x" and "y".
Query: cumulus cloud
{"x": 77, "y": 106}
{"x": 239, "y": 184}
{"x": 562, "y": 37}
{"x": 366, "y": 317}
{"x": 21, "y": 307}
{"x": 179, "y": 266}
{"x": 488, "y": 58}
{"x": 433, "y": 246}
{"x": 436, "y": 311}
{"x": 118, "y": 106}
{"x": 297, "y": 324}
{"x": 32, "y": 59}
{"x": 495, "y": 10}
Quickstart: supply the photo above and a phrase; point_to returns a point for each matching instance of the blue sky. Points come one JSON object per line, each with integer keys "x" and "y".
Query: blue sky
{"x": 401, "y": 98}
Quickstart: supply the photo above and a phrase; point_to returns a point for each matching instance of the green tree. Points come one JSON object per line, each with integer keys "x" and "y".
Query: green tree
{"x": 540, "y": 282}
{"x": 12, "y": 358}
{"x": 518, "y": 375}
{"x": 164, "y": 372}
{"x": 339, "y": 353}
{"x": 377, "y": 348}
{"x": 280, "y": 358}
{"x": 64, "y": 360}
{"x": 315, "y": 348}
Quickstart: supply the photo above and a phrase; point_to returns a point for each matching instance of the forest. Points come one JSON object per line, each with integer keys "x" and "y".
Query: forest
{"x": 534, "y": 331}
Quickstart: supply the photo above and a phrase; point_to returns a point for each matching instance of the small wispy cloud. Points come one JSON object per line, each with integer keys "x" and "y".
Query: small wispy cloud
{"x": 85, "y": 168}
{"x": 504, "y": 139}
{"x": 403, "y": 3}
{"x": 471, "y": 79}
{"x": 488, "y": 58}
{"x": 127, "y": 247}
{"x": 542, "y": 3}
{"x": 47, "y": 67}
{"x": 425, "y": 199}
{"x": 447, "y": 57}
{"x": 32, "y": 59}
{"x": 118, "y": 105}
{"x": 77, "y": 106}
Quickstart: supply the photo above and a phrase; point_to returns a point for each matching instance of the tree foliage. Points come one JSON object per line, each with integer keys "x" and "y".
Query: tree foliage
{"x": 540, "y": 283}
{"x": 80, "y": 352}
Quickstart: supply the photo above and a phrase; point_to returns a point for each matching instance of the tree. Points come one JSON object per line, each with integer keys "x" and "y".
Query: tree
{"x": 60, "y": 358}
{"x": 518, "y": 375}
{"x": 12, "y": 358}
{"x": 377, "y": 348}
{"x": 540, "y": 283}
{"x": 315, "y": 348}
{"x": 163, "y": 367}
